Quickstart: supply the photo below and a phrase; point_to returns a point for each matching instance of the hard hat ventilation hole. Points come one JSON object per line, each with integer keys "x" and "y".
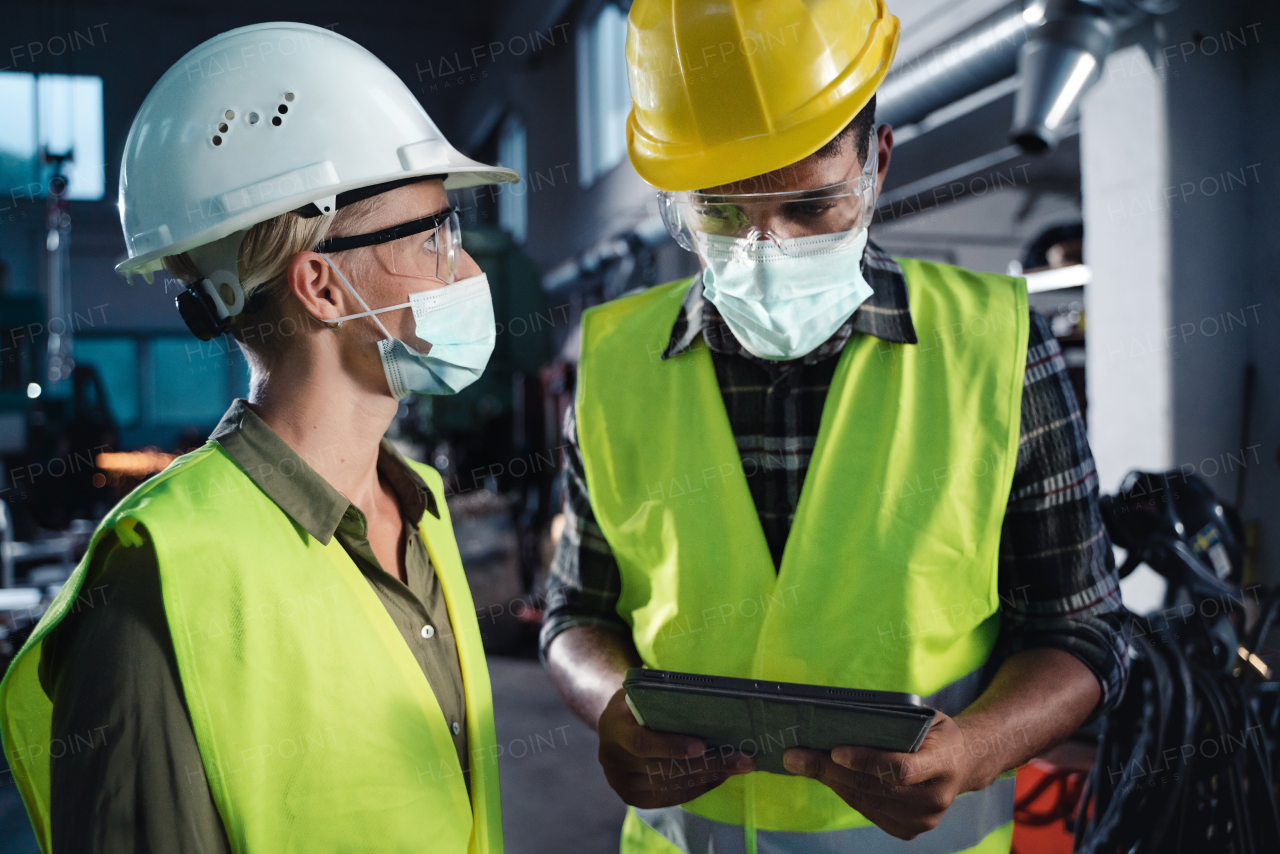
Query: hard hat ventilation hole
{"x": 288, "y": 96}
{"x": 217, "y": 140}
{"x": 229, "y": 115}
{"x": 222, "y": 127}
{"x": 277, "y": 121}
{"x": 253, "y": 118}
{"x": 283, "y": 109}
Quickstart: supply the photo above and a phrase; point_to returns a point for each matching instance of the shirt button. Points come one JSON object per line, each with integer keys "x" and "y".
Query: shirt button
{"x": 456, "y": 729}
{"x": 428, "y": 631}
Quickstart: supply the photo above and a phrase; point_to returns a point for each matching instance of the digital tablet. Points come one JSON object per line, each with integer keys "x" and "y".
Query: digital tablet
{"x": 762, "y": 719}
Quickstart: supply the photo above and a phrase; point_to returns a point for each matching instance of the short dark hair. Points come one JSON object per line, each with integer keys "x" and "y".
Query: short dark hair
{"x": 859, "y": 128}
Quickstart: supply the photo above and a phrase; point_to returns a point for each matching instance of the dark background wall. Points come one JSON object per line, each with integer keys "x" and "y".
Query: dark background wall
{"x": 134, "y": 43}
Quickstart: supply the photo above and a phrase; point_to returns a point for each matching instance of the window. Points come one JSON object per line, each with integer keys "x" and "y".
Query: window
{"x": 603, "y": 97}
{"x": 60, "y": 114}
{"x": 193, "y": 381}
{"x": 116, "y": 361}
{"x": 513, "y": 199}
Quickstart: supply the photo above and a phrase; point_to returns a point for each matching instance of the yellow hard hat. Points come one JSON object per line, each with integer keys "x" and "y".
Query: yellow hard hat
{"x": 723, "y": 90}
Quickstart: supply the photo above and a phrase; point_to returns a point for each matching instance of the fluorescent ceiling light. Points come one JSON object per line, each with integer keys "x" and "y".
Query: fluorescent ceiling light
{"x": 1073, "y": 276}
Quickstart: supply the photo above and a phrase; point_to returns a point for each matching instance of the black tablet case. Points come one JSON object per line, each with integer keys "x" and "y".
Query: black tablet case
{"x": 765, "y": 725}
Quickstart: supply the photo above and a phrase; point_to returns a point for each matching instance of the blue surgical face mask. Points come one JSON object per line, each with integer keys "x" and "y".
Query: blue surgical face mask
{"x": 458, "y": 321}
{"x": 783, "y": 305}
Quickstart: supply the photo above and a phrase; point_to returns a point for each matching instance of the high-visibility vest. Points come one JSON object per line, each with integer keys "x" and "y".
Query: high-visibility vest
{"x": 317, "y": 729}
{"x": 889, "y": 576}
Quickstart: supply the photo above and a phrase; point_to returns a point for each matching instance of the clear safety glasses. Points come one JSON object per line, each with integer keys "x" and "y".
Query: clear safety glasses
{"x": 426, "y": 248}
{"x": 840, "y": 211}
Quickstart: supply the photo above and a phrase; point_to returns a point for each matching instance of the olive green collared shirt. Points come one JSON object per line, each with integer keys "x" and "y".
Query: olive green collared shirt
{"x": 136, "y": 783}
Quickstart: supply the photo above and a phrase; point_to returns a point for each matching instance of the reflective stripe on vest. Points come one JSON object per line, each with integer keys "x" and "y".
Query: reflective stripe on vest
{"x": 970, "y": 819}
{"x": 889, "y": 576}
{"x": 953, "y": 699}
{"x": 317, "y": 729}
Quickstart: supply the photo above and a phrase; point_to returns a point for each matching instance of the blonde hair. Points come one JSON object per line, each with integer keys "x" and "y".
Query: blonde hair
{"x": 263, "y": 266}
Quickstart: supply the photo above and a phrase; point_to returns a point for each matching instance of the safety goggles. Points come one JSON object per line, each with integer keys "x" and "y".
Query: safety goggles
{"x": 426, "y": 248}
{"x": 839, "y": 211}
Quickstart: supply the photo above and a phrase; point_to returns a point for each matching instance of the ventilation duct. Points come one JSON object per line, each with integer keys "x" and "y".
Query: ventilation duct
{"x": 1057, "y": 47}
{"x": 973, "y": 59}
{"x": 1061, "y": 60}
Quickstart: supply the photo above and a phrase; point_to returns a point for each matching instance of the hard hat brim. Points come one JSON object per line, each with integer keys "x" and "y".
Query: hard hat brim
{"x": 469, "y": 174}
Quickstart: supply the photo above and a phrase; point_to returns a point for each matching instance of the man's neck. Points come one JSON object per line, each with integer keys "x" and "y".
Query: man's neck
{"x": 329, "y": 419}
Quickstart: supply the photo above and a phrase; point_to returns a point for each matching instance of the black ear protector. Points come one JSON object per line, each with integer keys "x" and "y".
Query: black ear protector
{"x": 204, "y": 308}
{"x": 200, "y": 313}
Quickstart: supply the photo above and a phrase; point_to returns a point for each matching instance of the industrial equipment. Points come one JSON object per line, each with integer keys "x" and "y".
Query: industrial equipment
{"x": 1188, "y": 760}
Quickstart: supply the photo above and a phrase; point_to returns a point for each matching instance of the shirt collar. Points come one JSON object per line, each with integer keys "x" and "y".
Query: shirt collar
{"x": 886, "y": 314}
{"x": 297, "y": 488}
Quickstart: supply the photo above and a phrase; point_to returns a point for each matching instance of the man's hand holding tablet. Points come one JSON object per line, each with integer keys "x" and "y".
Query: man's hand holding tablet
{"x": 650, "y": 769}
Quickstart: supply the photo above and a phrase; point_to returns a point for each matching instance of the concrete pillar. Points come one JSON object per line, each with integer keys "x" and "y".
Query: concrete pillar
{"x": 1261, "y": 133}
{"x": 1180, "y": 233}
{"x": 1210, "y": 46}
{"x": 1124, "y": 158}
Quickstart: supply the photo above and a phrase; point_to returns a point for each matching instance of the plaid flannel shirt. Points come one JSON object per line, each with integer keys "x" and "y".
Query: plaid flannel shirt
{"x": 1057, "y": 572}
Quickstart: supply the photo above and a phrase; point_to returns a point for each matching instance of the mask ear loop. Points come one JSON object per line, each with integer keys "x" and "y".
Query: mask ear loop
{"x": 368, "y": 312}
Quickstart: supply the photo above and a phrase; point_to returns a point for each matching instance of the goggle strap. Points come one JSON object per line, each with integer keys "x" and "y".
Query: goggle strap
{"x": 386, "y": 235}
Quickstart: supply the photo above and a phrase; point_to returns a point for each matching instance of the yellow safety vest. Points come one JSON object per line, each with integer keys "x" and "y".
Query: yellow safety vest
{"x": 317, "y": 729}
{"x": 889, "y": 576}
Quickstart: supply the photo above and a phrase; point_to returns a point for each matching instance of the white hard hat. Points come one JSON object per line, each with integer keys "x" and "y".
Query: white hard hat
{"x": 263, "y": 120}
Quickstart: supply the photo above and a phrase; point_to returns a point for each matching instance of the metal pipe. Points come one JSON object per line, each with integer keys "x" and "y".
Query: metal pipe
{"x": 1056, "y": 47}
{"x": 1057, "y": 66}
{"x": 59, "y": 361}
{"x": 983, "y": 54}
{"x": 6, "y": 545}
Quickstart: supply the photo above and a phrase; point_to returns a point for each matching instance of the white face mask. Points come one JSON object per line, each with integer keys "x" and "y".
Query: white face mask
{"x": 784, "y": 305}
{"x": 458, "y": 322}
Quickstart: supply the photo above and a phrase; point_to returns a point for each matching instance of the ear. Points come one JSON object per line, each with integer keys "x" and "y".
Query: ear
{"x": 317, "y": 288}
{"x": 884, "y": 137}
